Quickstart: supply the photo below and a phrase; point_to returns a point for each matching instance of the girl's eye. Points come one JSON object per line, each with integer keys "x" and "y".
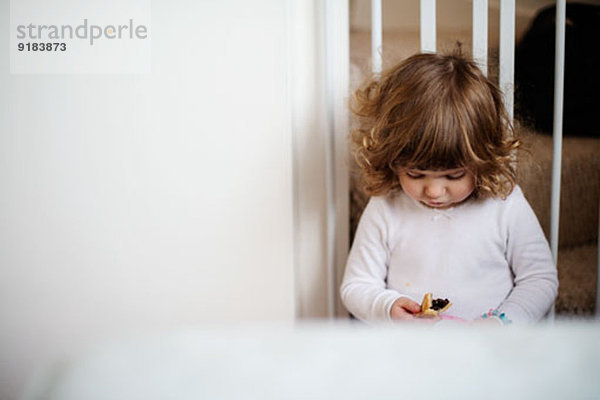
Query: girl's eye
{"x": 456, "y": 175}
{"x": 414, "y": 175}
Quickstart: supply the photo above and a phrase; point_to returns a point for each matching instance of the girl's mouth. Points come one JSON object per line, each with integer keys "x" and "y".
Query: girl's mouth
{"x": 435, "y": 203}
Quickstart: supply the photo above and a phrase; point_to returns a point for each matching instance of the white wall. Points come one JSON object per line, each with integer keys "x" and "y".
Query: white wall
{"x": 320, "y": 126}
{"x": 130, "y": 203}
{"x": 310, "y": 129}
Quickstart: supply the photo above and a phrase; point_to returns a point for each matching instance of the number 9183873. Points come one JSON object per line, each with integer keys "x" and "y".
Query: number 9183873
{"x": 42, "y": 46}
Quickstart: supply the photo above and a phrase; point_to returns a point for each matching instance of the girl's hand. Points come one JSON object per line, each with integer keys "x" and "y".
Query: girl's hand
{"x": 404, "y": 309}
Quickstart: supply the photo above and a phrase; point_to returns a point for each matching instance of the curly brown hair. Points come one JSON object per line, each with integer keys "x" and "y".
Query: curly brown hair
{"x": 433, "y": 112}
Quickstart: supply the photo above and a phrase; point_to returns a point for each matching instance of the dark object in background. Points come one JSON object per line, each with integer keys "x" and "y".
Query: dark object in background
{"x": 534, "y": 71}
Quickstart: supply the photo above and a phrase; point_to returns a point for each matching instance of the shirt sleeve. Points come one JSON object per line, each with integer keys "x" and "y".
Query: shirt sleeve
{"x": 364, "y": 290}
{"x": 535, "y": 276}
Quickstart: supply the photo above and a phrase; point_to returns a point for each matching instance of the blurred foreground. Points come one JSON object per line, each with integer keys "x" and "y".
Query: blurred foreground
{"x": 322, "y": 360}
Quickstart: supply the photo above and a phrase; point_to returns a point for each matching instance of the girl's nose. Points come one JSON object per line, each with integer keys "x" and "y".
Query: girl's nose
{"x": 434, "y": 189}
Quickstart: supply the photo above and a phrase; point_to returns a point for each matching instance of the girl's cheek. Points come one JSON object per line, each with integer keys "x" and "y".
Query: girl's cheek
{"x": 466, "y": 194}
{"x": 413, "y": 190}
{"x": 407, "y": 186}
{"x": 467, "y": 190}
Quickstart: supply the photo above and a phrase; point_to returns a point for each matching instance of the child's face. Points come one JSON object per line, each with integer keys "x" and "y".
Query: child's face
{"x": 439, "y": 188}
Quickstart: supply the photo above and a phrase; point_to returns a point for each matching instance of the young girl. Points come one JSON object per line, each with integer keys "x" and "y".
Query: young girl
{"x": 446, "y": 216}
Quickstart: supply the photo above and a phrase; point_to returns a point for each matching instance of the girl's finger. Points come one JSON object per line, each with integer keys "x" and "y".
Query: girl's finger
{"x": 413, "y": 307}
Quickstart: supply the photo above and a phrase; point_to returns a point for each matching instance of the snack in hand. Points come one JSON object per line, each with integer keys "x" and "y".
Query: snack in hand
{"x": 433, "y": 307}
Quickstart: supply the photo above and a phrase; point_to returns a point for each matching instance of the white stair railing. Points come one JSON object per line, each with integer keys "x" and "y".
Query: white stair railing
{"x": 337, "y": 78}
{"x": 376, "y": 36}
{"x": 428, "y": 26}
{"x": 480, "y": 34}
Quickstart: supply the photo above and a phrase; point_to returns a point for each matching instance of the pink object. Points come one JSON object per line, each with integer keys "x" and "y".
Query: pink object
{"x": 453, "y": 318}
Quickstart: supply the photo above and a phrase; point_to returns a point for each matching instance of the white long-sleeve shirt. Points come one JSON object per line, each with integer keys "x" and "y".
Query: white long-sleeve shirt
{"x": 481, "y": 255}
